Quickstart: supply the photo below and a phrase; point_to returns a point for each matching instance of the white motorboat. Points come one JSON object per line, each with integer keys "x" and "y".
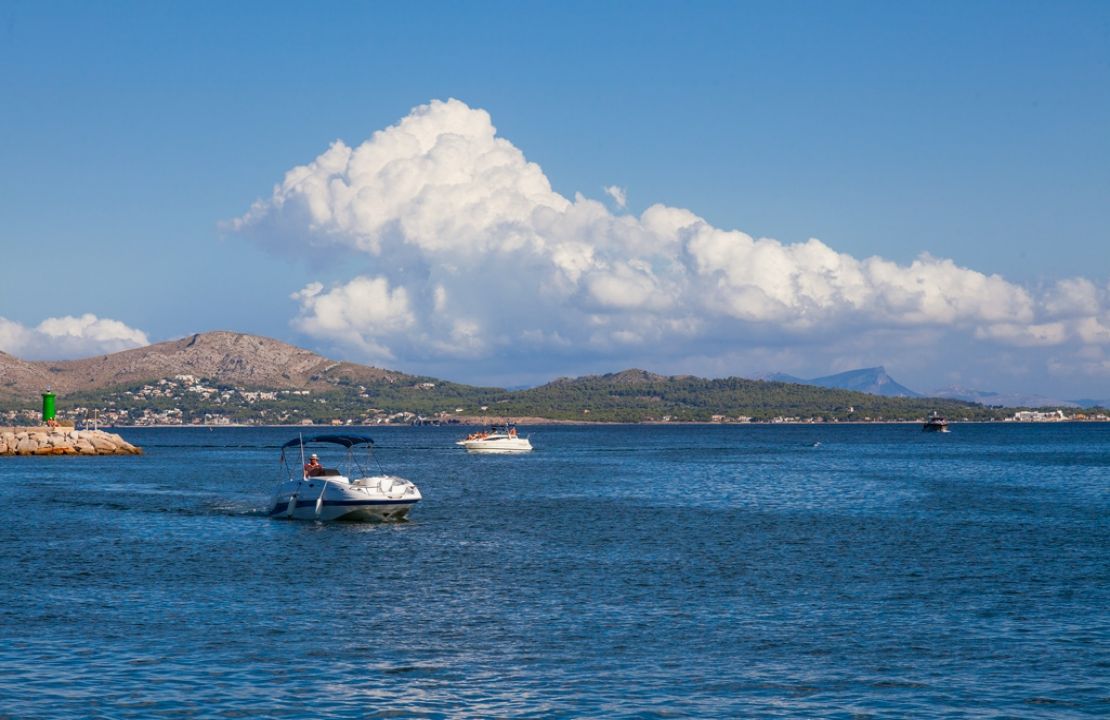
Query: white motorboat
{"x": 497, "y": 439}
{"x": 315, "y": 492}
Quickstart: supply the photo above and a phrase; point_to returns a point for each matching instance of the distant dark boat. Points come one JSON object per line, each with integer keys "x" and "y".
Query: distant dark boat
{"x": 935, "y": 423}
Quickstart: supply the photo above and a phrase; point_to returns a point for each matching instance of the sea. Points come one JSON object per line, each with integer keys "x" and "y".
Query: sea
{"x": 618, "y": 571}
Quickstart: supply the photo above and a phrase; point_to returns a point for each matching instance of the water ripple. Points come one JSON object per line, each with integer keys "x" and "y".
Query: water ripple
{"x": 627, "y": 572}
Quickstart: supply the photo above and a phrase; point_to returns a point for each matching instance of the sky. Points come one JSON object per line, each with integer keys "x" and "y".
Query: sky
{"x": 505, "y": 193}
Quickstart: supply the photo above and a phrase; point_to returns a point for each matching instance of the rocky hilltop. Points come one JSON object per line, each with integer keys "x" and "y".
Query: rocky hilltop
{"x": 223, "y": 357}
{"x": 17, "y": 377}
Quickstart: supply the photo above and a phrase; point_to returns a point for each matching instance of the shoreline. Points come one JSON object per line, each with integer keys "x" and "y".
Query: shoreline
{"x": 598, "y": 423}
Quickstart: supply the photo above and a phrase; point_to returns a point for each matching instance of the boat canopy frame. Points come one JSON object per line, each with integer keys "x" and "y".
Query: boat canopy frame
{"x": 347, "y": 441}
{"x": 350, "y": 442}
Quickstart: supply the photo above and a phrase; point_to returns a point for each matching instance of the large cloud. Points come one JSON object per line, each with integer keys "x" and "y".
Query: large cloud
{"x": 68, "y": 337}
{"x": 473, "y": 255}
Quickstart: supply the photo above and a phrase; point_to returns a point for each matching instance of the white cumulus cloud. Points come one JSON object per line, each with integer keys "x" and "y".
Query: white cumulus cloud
{"x": 473, "y": 255}
{"x": 355, "y": 312}
{"x": 68, "y": 337}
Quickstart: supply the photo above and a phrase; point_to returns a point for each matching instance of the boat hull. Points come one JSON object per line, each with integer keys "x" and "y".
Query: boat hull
{"x": 374, "y": 499}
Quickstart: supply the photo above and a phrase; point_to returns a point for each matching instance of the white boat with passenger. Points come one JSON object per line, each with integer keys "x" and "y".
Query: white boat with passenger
{"x": 316, "y": 492}
{"x": 497, "y": 439}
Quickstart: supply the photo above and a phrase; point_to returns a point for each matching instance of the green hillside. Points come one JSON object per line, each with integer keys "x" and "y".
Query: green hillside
{"x": 629, "y": 396}
{"x": 635, "y": 396}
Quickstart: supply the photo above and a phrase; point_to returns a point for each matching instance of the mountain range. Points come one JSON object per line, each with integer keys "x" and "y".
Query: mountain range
{"x": 234, "y": 362}
{"x": 1011, "y": 399}
{"x": 876, "y": 381}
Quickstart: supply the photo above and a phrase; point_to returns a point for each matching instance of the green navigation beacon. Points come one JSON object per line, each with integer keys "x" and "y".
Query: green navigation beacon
{"x": 48, "y": 411}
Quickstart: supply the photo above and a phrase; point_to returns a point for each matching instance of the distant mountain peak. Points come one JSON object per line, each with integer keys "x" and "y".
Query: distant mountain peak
{"x": 1001, "y": 399}
{"x": 873, "y": 380}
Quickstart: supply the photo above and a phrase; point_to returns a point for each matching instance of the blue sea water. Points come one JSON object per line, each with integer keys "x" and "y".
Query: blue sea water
{"x": 617, "y": 571}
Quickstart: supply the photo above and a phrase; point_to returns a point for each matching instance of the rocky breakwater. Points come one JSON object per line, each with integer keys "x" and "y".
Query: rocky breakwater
{"x": 63, "y": 441}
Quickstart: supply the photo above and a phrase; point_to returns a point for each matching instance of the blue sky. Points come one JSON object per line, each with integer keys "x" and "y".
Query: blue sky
{"x": 135, "y": 134}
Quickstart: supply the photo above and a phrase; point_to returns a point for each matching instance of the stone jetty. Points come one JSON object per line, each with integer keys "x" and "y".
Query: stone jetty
{"x": 62, "y": 441}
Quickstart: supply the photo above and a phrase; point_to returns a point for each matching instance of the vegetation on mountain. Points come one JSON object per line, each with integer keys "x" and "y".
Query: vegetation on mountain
{"x": 647, "y": 397}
